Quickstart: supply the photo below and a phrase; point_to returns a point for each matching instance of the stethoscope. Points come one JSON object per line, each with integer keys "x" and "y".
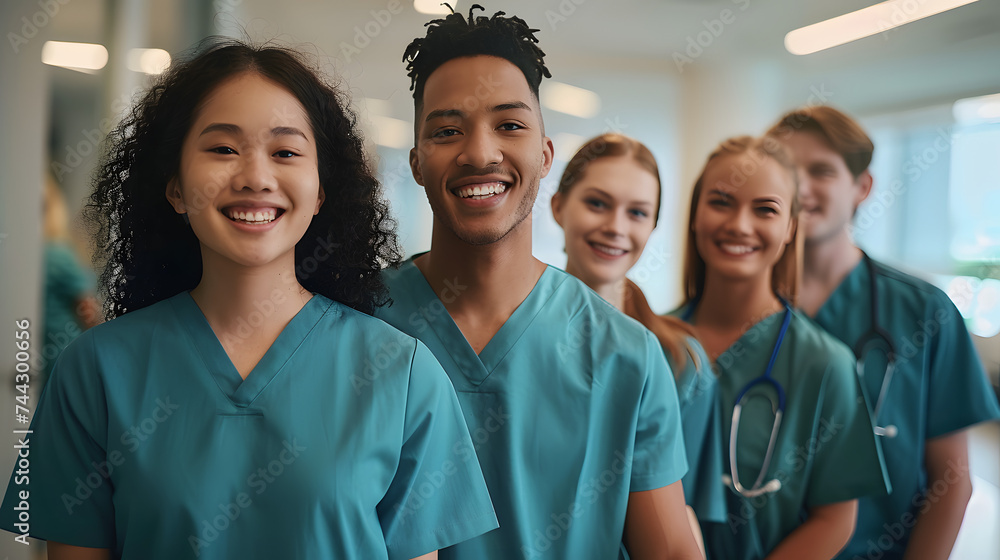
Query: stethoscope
{"x": 878, "y": 336}
{"x": 759, "y": 486}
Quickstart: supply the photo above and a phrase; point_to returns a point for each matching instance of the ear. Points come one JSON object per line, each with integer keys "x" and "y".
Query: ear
{"x": 548, "y": 152}
{"x": 320, "y": 199}
{"x": 174, "y": 197}
{"x": 863, "y": 187}
{"x": 556, "y": 205}
{"x": 415, "y": 167}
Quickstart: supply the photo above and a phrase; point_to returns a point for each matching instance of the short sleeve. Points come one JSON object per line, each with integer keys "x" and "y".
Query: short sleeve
{"x": 848, "y": 460}
{"x": 658, "y": 458}
{"x": 960, "y": 394}
{"x": 701, "y": 419}
{"x": 69, "y": 496}
{"x": 437, "y": 496}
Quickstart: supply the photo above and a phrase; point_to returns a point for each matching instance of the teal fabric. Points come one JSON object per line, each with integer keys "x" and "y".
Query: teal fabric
{"x": 66, "y": 283}
{"x": 698, "y": 393}
{"x": 938, "y": 387}
{"x": 825, "y": 450}
{"x": 571, "y": 406}
{"x": 345, "y": 441}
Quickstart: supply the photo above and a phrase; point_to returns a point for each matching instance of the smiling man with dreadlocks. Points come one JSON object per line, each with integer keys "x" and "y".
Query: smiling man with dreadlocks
{"x": 571, "y": 405}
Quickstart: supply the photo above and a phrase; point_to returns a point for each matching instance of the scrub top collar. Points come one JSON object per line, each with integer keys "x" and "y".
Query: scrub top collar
{"x": 242, "y": 392}
{"x": 502, "y": 342}
{"x": 686, "y": 313}
{"x": 856, "y": 283}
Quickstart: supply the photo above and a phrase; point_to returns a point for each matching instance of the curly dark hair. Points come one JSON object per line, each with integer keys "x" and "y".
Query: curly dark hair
{"x": 146, "y": 252}
{"x": 454, "y": 37}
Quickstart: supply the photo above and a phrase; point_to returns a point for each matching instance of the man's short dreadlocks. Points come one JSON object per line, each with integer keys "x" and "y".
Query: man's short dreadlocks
{"x": 454, "y": 37}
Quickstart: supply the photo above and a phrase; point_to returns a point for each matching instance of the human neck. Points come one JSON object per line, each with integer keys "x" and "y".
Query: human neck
{"x": 728, "y": 304}
{"x": 228, "y": 294}
{"x": 613, "y": 292}
{"x": 481, "y": 284}
{"x": 825, "y": 265}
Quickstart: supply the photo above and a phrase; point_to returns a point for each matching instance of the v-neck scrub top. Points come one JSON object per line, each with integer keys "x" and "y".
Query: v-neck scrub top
{"x": 345, "y": 441}
{"x": 938, "y": 387}
{"x": 825, "y": 450}
{"x": 571, "y": 407}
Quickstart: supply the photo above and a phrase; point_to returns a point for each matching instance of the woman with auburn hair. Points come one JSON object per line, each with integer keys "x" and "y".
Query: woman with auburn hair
{"x": 241, "y": 401}
{"x": 608, "y": 203}
{"x": 799, "y": 446}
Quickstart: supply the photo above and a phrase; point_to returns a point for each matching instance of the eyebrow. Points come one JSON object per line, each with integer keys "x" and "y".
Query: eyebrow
{"x": 592, "y": 191}
{"x": 234, "y": 129}
{"x": 442, "y": 113}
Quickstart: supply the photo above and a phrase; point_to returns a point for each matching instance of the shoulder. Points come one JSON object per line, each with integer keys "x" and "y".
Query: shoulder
{"x": 365, "y": 332}
{"x": 811, "y": 340}
{"x": 911, "y": 292}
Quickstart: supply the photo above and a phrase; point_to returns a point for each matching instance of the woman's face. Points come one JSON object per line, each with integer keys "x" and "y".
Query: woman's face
{"x": 607, "y": 217}
{"x": 743, "y": 216}
{"x": 248, "y": 178}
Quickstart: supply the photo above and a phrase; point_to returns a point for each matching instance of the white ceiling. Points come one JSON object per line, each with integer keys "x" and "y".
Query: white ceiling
{"x": 950, "y": 55}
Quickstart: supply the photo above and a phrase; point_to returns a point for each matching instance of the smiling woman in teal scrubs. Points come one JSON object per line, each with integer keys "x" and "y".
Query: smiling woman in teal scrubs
{"x": 608, "y": 203}
{"x": 792, "y": 491}
{"x": 242, "y": 403}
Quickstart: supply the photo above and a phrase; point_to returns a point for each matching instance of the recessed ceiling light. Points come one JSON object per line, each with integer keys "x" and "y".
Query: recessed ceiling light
{"x": 864, "y": 23}
{"x": 75, "y": 56}
{"x": 434, "y": 6}
{"x": 569, "y": 99}
{"x": 149, "y": 61}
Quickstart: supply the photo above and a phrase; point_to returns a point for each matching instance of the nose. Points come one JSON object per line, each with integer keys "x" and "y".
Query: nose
{"x": 254, "y": 172}
{"x": 740, "y": 221}
{"x": 615, "y": 223}
{"x": 480, "y": 149}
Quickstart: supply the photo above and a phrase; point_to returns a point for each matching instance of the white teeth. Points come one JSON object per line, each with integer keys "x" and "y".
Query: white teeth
{"x": 736, "y": 249}
{"x": 608, "y": 250}
{"x": 482, "y": 191}
{"x": 253, "y": 217}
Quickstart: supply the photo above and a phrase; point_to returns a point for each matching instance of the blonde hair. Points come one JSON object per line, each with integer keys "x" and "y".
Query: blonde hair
{"x": 787, "y": 272}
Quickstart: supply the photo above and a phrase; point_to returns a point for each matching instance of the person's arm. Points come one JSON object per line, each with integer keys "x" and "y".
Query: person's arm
{"x": 823, "y": 534}
{"x": 657, "y": 527}
{"x": 430, "y": 556}
{"x": 59, "y": 551}
{"x": 948, "y": 491}
{"x": 696, "y": 529}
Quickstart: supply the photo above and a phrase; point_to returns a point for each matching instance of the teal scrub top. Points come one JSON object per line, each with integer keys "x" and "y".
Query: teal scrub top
{"x": 66, "y": 283}
{"x": 345, "y": 441}
{"x": 938, "y": 387}
{"x": 571, "y": 407}
{"x": 825, "y": 451}
{"x": 701, "y": 421}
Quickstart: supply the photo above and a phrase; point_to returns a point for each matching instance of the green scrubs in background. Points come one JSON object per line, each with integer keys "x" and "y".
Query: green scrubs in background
{"x": 345, "y": 441}
{"x": 698, "y": 393}
{"x": 571, "y": 407}
{"x": 825, "y": 450}
{"x": 938, "y": 387}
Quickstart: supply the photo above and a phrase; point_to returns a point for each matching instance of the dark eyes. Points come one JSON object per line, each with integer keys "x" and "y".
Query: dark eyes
{"x": 510, "y": 126}
{"x": 596, "y": 204}
{"x": 226, "y": 150}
